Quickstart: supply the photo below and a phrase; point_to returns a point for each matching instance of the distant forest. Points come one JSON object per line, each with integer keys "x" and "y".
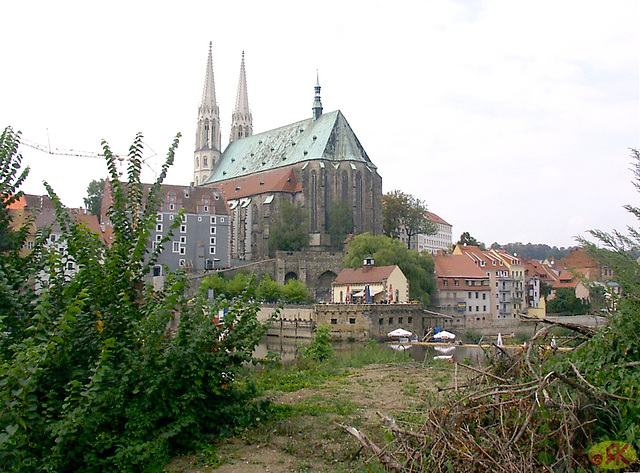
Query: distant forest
{"x": 535, "y": 251}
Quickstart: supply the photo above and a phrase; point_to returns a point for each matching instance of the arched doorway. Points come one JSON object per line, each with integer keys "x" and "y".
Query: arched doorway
{"x": 323, "y": 286}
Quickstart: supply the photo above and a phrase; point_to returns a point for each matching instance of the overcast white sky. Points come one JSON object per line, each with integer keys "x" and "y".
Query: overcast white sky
{"x": 512, "y": 119}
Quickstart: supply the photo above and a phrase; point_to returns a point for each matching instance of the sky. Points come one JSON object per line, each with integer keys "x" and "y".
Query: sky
{"x": 512, "y": 120}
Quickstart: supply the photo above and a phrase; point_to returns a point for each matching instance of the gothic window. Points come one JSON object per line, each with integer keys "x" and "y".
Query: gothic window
{"x": 314, "y": 201}
{"x": 359, "y": 201}
{"x": 206, "y": 134}
{"x": 345, "y": 186}
{"x": 197, "y": 163}
{"x": 204, "y": 163}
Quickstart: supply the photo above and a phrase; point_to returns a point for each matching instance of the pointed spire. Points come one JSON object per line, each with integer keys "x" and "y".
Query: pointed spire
{"x": 317, "y": 104}
{"x": 241, "y": 120}
{"x": 209, "y": 92}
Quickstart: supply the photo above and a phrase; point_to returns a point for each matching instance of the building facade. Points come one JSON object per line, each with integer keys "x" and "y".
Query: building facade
{"x": 432, "y": 244}
{"x": 317, "y": 163}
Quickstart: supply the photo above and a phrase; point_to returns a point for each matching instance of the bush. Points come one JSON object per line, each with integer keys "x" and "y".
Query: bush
{"x": 101, "y": 374}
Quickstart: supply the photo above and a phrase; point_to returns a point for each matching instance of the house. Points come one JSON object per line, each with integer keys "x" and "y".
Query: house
{"x": 370, "y": 283}
{"x": 463, "y": 291}
{"x": 317, "y": 163}
{"x": 198, "y": 243}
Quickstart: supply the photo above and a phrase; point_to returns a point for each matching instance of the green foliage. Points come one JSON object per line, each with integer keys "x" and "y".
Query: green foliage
{"x": 104, "y": 375}
{"x": 289, "y": 230}
{"x": 269, "y": 291}
{"x": 340, "y": 223}
{"x": 417, "y": 267}
{"x": 400, "y": 210}
{"x": 467, "y": 239}
{"x": 93, "y": 200}
{"x": 295, "y": 291}
{"x": 320, "y": 348}
{"x": 565, "y": 302}
{"x": 535, "y": 251}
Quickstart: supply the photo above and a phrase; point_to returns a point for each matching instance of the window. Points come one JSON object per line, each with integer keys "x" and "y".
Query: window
{"x": 410, "y": 320}
{"x": 484, "y": 308}
{"x": 352, "y": 321}
{"x": 334, "y": 321}
{"x": 221, "y": 219}
{"x": 484, "y": 296}
{"x": 390, "y": 320}
{"x": 469, "y": 295}
{"x": 170, "y": 217}
{"x": 445, "y": 282}
{"x": 183, "y": 229}
{"x": 199, "y": 219}
{"x": 159, "y": 219}
{"x": 469, "y": 309}
{"x": 212, "y": 250}
{"x": 212, "y": 230}
{"x": 158, "y": 237}
{"x": 183, "y": 250}
{"x": 159, "y": 227}
{"x": 52, "y": 238}
{"x": 29, "y": 245}
{"x": 181, "y": 263}
{"x": 212, "y": 219}
{"x": 183, "y": 240}
{"x": 212, "y": 240}
{"x": 206, "y": 209}
{"x": 70, "y": 265}
{"x": 172, "y": 206}
{"x": 400, "y": 319}
{"x": 380, "y": 321}
{"x": 456, "y": 282}
{"x": 176, "y": 247}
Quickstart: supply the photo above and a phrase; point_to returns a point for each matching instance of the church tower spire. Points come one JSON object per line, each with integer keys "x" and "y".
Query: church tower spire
{"x": 241, "y": 120}
{"x": 208, "y": 147}
{"x": 317, "y": 104}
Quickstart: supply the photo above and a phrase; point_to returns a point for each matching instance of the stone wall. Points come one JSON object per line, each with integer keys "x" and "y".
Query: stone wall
{"x": 361, "y": 322}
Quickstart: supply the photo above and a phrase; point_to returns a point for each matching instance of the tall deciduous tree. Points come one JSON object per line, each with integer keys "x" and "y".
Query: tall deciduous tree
{"x": 289, "y": 231}
{"x": 93, "y": 200}
{"x": 417, "y": 267}
{"x": 406, "y": 212}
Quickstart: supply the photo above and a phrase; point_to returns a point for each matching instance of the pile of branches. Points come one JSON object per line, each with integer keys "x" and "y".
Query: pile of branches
{"x": 517, "y": 415}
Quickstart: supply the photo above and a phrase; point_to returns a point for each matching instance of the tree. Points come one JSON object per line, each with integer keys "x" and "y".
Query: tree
{"x": 289, "y": 231}
{"x": 467, "y": 239}
{"x": 340, "y": 223}
{"x": 269, "y": 290}
{"x": 402, "y": 211}
{"x": 565, "y": 302}
{"x": 417, "y": 267}
{"x": 295, "y": 291}
{"x": 93, "y": 200}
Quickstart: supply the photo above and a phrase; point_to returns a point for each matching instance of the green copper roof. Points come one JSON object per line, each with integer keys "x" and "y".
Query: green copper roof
{"x": 329, "y": 137}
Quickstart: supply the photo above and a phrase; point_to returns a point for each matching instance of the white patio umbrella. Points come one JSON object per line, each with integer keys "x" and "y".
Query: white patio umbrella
{"x": 399, "y": 332}
{"x": 444, "y": 335}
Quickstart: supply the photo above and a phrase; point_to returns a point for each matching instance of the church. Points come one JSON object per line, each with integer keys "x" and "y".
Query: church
{"x": 313, "y": 163}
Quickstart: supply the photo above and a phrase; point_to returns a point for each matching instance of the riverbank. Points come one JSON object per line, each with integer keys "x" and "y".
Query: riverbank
{"x": 305, "y": 437}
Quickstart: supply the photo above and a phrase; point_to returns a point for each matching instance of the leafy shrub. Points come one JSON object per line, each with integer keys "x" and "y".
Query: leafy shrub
{"x": 98, "y": 372}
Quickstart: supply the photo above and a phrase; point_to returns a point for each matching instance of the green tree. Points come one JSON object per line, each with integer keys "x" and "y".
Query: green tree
{"x": 93, "y": 200}
{"x": 106, "y": 375}
{"x": 404, "y": 211}
{"x": 340, "y": 223}
{"x": 565, "y": 302}
{"x": 295, "y": 291}
{"x": 417, "y": 267}
{"x": 289, "y": 230}
{"x": 467, "y": 239}
{"x": 269, "y": 290}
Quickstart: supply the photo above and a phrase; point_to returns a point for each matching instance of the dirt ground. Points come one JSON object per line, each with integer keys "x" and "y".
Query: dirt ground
{"x": 312, "y": 441}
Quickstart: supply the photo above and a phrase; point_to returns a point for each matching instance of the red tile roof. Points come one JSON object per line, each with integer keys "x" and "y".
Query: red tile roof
{"x": 365, "y": 275}
{"x": 457, "y": 266}
{"x": 278, "y": 180}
